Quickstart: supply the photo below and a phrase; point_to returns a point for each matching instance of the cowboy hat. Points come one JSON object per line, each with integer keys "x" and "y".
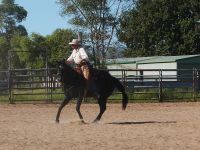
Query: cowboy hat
{"x": 75, "y": 42}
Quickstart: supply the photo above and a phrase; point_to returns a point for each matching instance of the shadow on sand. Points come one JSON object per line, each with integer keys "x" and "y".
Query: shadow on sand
{"x": 141, "y": 122}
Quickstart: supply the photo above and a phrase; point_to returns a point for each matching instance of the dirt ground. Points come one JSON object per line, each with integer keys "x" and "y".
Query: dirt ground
{"x": 167, "y": 126}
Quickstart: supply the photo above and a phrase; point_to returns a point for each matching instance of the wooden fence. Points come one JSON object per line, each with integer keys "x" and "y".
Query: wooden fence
{"x": 40, "y": 85}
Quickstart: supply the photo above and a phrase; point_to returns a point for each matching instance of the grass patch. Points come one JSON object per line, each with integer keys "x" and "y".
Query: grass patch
{"x": 148, "y": 95}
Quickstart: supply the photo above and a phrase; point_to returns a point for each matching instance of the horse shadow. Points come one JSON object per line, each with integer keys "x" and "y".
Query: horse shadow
{"x": 142, "y": 122}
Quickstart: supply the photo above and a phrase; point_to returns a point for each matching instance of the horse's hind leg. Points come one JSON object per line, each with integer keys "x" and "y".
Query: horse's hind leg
{"x": 78, "y": 106}
{"x": 102, "y": 106}
{"x": 65, "y": 102}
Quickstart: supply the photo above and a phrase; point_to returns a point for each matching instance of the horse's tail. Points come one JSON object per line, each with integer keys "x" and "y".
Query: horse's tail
{"x": 121, "y": 88}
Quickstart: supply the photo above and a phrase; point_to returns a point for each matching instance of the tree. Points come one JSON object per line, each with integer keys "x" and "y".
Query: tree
{"x": 160, "y": 27}
{"x": 3, "y": 53}
{"x": 11, "y": 15}
{"x": 98, "y": 19}
{"x": 37, "y": 50}
{"x": 32, "y": 50}
{"x": 57, "y": 44}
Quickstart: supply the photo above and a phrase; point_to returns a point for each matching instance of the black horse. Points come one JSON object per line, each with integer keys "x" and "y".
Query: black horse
{"x": 74, "y": 86}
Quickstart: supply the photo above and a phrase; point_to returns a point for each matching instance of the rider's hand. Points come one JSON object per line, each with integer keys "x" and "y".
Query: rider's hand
{"x": 67, "y": 62}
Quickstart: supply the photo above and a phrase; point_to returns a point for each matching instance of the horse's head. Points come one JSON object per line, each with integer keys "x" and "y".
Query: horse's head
{"x": 60, "y": 73}
{"x": 65, "y": 72}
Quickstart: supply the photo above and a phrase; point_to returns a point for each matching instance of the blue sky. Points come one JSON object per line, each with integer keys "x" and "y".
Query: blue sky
{"x": 43, "y": 16}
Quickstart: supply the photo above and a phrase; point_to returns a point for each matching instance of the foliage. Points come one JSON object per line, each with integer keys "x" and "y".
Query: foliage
{"x": 36, "y": 50}
{"x": 11, "y": 15}
{"x": 57, "y": 44}
{"x": 160, "y": 27}
{"x": 32, "y": 50}
{"x": 3, "y": 51}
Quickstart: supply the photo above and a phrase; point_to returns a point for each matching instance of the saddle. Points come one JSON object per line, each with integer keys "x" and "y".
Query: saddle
{"x": 84, "y": 62}
{"x": 92, "y": 71}
{"x": 78, "y": 70}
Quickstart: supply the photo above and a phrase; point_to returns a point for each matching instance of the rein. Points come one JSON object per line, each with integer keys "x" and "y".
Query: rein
{"x": 70, "y": 87}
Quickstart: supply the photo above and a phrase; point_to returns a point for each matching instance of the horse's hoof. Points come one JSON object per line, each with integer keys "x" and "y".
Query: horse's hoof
{"x": 95, "y": 121}
{"x": 57, "y": 121}
{"x": 82, "y": 121}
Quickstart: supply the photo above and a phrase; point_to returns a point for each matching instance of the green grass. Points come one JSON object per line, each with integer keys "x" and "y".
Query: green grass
{"x": 4, "y": 98}
{"x": 138, "y": 95}
{"x": 33, "y": 95}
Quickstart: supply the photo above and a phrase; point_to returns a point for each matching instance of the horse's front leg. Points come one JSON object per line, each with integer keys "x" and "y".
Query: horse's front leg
{"x": 78, "y": 105}
{"x": 65, "y": 102}
{"x": 102, "y": 106}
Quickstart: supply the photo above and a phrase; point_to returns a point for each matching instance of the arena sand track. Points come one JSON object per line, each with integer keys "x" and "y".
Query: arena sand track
{"x": 167, "y": 126}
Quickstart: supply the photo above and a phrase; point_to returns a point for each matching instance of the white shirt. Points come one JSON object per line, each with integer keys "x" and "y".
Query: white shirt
{"x": 78, "y": 55}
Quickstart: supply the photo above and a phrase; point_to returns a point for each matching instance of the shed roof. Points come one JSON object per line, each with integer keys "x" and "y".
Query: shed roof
{"x": 162, "y": 59}
{"x": 153, "y": 59}
{"x": 127, "y": 60}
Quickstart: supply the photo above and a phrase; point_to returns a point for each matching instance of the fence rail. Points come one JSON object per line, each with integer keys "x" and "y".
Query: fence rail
{"x": 19, "y": 85}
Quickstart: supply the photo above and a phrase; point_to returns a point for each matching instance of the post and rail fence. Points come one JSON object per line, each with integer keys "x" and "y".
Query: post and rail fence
{"x": 40, "y": 85}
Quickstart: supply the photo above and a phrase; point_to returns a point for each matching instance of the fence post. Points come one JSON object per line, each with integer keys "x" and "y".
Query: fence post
{"x": 51, "y": 88}
{"x": 194, "y": 81}
{"x": 123, "y": 78}
{"x": 198, "y": 82}
{"x": 9, "y": 78}
{"x": 47, "y": 82}
{"x": 9, "y": 87}
{"x": 160, "y": 87}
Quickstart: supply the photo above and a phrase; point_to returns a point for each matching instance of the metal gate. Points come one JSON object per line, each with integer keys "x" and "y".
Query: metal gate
{"x": 40, "y": 85}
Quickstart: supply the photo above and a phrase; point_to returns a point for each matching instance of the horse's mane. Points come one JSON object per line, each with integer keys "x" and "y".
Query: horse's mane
{"x": 69, "y": 68}
{"x": 72, "y": 74}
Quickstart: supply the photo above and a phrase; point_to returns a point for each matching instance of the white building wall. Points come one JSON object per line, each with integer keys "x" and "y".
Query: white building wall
{"x": 146, "y": 74}
{"x": 122, "y": 66}
{"x": 170, "y": 74}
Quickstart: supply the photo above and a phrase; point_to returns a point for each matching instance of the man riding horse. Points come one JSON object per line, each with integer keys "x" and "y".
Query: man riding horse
{"x": 80, "y": 58}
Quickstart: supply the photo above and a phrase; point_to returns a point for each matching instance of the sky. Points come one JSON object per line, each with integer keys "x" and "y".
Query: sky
{"x": 43, "y": 16}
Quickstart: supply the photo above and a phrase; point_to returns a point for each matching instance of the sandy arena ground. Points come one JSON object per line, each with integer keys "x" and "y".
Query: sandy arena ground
{"x": 167, "y": 126}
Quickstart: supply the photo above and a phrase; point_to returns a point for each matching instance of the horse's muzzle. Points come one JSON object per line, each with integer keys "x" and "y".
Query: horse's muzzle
{"x": 59, "y": 78}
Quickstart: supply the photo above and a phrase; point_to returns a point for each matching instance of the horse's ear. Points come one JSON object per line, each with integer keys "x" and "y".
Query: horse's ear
{"x": 57, "y": 62}
{"x": 63, "y": 60}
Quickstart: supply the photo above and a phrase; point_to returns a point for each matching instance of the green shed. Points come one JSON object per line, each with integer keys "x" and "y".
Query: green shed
{"x": 176, "y": 63}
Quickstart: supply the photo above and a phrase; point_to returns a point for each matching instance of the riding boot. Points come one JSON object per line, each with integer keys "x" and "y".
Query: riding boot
{"x": 86, "y": 74}
{"x": 89, "y": 82}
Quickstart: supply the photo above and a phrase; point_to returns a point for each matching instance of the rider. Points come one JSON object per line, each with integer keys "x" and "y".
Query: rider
{"x": 80, "y": 58}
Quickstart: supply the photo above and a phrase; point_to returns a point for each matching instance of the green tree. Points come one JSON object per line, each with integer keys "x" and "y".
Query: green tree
{"x": 3, "y": 53}
{"x": 97, "y": 20}
{"x": 37, "y": 50}
{"x": 32, "y": 50}
{"x": 160, "y": 27}
{"x": 57, "y": 44}
{"x": 11, "y": 15}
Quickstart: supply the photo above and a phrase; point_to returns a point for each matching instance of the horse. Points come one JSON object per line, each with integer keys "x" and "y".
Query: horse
{"x": 74, "y": 87}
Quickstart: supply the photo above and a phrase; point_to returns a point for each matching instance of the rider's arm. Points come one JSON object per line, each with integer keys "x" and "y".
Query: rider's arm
{"x": 70, "y": 58}
{"x": 83, "y": 54}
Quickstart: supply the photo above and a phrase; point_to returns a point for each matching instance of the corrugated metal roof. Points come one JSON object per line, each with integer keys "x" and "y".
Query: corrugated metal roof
{"x": 127, "y": 60}
{"x": 162, "y": 59}
{"x": 143, "y": 60}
